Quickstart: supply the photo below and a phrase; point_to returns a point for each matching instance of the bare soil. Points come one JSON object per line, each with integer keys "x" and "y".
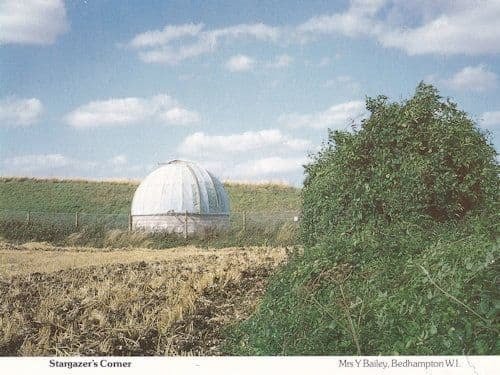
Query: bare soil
{"x": 171, "y": 303}
{"x": 219, "y": 306}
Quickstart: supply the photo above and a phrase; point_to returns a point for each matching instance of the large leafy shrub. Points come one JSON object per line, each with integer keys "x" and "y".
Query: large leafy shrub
{"x": 422, "y": 159}
{"x": 400, "y": 232}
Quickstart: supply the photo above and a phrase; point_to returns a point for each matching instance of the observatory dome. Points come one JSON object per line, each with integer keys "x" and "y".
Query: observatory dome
{"x": 179, "y": 187}
{"x": 180, "y": 196}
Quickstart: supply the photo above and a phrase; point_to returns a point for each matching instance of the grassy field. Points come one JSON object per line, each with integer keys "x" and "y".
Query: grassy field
{"x": 94, "y": 290}
{"x": 52, "y": 195}
{"x": 68, "y": 301}
{"x": 260, "y": 215}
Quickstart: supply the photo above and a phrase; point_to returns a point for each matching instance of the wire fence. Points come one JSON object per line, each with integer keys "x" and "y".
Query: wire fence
{"x": 77, "y": 220}
{"x": 238, "y": 220}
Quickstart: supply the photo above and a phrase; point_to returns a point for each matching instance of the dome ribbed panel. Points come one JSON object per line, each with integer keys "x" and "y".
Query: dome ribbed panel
{"x": 207, "y": 188}
{"x": 179, "y": 187}
{"x": 222, "y": 199}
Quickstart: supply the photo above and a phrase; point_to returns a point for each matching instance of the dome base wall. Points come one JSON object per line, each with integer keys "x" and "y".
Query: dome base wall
{"x": 181, "y": 224}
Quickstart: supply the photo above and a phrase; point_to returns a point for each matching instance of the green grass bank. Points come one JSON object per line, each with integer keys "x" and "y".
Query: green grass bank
{"x": 70, "y": 196}
{"x": 267, "y": 207}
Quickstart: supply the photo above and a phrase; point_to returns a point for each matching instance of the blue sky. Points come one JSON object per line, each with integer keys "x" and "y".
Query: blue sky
{"x": 107, "y": 89}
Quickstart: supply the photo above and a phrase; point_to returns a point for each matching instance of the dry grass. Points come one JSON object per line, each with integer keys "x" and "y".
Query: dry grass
{"x": 131, "y": 181}
{"x": 280, "y": 183}
{"x": 78, "y": 301}
{"x": 27, "y": 258}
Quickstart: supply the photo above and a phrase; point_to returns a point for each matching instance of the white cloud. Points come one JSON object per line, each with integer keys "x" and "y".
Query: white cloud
{"x": 240, "y": 63}
{"x": 325, "y": 61}
{"x": 118, "y": 160}
{"x": 343, "y": 81}
{"x": 32, "y": 21}
{"x": 258, "y": 31}
{"x": 173, "y": 55}
{"x": 470, "y": 29}
{"x": 19, "y": 112}
{"x": 490, "y": 120}
{"x": 270, "y": 166}
{"x": 338, "y": 116}
{"x": 203, "y": 144}
{"x": 258, "y": 168}
{"x": 281, "y": 61}
{"x": 446, "y": 27}
{"x": 175, "y": 43}
{"x": 357, "y": 20}
{"x": 475, "y": 78}
{"x": 62, "y": 166}
{"x": 128, "y": 111}
{"x": 166, "y": 35}
{"x": 34, "y": 162}
{"x": 424, "y": 27}
{"x": 248, "y": 156}
{"x": 179, "y": 116}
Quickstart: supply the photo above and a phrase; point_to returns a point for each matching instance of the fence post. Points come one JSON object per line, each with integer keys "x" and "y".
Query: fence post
{"x": 185, "y": 224}
{"x": 244, "y": 221}
{"x": 77, "y": 221}
{"x": 28, "y": 217}
{"x": 129, "y": 222}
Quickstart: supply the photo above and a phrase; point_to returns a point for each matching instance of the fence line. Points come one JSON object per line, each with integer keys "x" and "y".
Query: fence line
{"x": 243, "y": 220}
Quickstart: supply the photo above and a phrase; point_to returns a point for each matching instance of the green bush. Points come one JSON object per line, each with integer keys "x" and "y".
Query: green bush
{"x": 400, "y": 232}
{"x": 439, "y": 300}
{"x": 419, "y": 160}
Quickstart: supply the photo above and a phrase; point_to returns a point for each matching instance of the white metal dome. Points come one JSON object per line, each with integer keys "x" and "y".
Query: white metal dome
{"x": 179, "y": 187}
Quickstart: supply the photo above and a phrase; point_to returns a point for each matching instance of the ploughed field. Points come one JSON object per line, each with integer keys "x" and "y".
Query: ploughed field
{"x": 85, "y": 301}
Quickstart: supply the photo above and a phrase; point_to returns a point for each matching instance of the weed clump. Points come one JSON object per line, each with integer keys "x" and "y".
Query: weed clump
{"x": 401, "y": 250}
